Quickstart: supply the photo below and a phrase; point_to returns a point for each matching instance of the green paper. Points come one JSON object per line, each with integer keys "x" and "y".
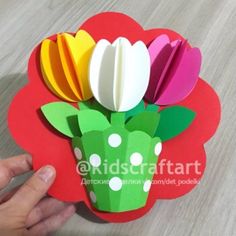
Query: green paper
{"x": 136, "y": 110}
{"x": 62, "y": 117}
{"x": 94, "y": 105}
{"x": 112, "y": 145}
{"x": 131, "y": 195}
{"x": 90, "y": 120}
{"x": 146, "y": 121}
{"x": 85, "y": 105}
{"x": 173, "y": 121}
{"x": 118, "y": 118}
{"x": 152, "y": 107}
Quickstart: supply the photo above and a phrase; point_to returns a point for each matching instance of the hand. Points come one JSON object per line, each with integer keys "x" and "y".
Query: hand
{"x": 27, "y": 210}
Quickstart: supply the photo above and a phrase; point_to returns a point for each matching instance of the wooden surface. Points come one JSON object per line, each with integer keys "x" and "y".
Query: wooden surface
{"x": 210, "y": 209}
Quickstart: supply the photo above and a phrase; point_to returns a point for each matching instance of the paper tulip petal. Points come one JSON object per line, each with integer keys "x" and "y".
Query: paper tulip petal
{"x": 119, "y": 73}
{"x": 53, "y": 73}
{"x": 157, "y": 45}
{"x": 80, "y": 49}
{"x": 67, "y": 65}
{"x": 64, "y": 65}
{"x": 174, "y": 70}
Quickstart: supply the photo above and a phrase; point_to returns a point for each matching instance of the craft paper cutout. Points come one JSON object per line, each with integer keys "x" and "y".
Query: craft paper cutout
{"x": 64, "y": 65}
{"x": 134, "y": 142}
{"x": 174, "y": 70}
{"x": 116, "y": 196}
{"x": 90, "y": 120}
{"x": 60, "y": 115}
{"x": 49, "y": 147}
{"x": 119, "y": 73}
{"x": 140, "y": 107}
{"x": 146, "y": 121}
{"x": 53, "y": 72}
{"x": 174, "y": 120}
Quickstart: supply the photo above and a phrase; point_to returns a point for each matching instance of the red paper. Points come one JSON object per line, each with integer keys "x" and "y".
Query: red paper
{"x": 33, "y": 134}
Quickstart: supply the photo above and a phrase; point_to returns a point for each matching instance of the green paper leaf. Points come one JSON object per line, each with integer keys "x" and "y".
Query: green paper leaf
{"x": 90, "y": 120}
{"x": 173, "y": 121}
{"x": 85, "y": 105}
{"x": 146, "y": 121}
{"x": 94, "y": 105}
{"x": 62, "y": 117}
{"x": 136, "y": 110}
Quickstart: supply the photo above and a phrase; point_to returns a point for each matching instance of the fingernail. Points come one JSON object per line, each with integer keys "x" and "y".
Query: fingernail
{"x": 46, "y": 173}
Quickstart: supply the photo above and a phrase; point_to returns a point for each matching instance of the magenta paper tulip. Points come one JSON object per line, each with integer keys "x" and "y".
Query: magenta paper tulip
{"x": 174, "y": 70}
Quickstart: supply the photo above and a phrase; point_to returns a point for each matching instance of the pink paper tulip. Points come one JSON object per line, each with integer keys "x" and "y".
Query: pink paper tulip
{"x": 174, "y": 70}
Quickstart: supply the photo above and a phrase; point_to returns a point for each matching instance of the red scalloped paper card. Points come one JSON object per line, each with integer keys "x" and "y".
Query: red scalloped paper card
{"x": 28, "y": 127}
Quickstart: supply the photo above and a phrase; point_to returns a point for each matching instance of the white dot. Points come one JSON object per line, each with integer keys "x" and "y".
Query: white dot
{"x": 93, "y": 196}
{"x": 78, "y": 153}
{"x": 114, "y": 140}
{"x": 95, "y": 160}
{"x": 115, "y": 183}
{"x": 158, "y": 148}
{"x": 147, "y": 185}
{"x": 136, "y": 159}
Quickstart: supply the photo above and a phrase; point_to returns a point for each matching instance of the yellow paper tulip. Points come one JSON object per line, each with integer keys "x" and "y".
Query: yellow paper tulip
{"x": 64, "y": 65}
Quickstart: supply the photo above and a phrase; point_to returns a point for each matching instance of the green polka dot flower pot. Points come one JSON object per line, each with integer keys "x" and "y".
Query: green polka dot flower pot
{"x": 120, "y": 166}
{"x": 116, "y": 152}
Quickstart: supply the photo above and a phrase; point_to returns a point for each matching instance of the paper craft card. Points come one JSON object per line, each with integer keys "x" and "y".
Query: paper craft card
{"x": 120, "y": 112}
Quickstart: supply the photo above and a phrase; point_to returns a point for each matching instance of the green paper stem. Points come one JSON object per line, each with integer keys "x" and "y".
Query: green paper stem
{"x": 118, "y": 118}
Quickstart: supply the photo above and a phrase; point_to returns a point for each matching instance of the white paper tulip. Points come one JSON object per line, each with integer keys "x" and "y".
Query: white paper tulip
{"x": 119, "y": 73}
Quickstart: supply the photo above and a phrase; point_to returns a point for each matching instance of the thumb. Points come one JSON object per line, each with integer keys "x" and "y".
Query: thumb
{"x": 33, "y": 190}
